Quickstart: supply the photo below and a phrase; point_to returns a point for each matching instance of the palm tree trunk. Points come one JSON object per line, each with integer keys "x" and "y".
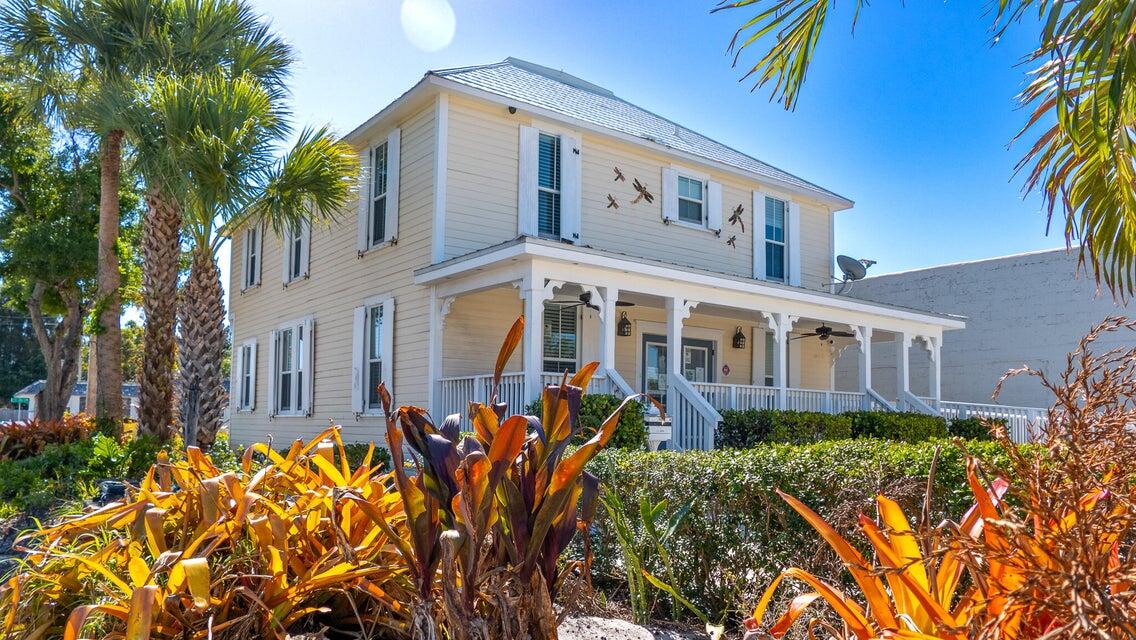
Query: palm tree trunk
{"x": 108, "y": 402}
{"x": 202, "y": 347}
{"x": 161, "y": 251}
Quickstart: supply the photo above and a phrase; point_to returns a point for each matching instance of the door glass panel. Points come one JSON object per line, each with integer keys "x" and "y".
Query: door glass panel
{"x": 695, "y": 362}
{"x": 655, "y": 370}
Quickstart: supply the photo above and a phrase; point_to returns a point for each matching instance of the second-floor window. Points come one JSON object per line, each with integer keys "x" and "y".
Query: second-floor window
{"x": 548, "y": 186}
{"x": 297, "y": 247}
{"x": 251, "y": 266}
{"x": 775, "y": 253}
{"x": 376, "y": 225}
{"x": 691, "y": 196}
{"x": 561, "y": 337}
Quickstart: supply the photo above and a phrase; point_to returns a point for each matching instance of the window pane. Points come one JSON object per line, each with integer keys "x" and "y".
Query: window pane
{"x": 379, "y": 220}
{"x": 560, "y": 337}
{"x": 376, "y": 333}
{"x": 297, "y": 252}
{"x": 285, "y": 392}
{"x": 286, "y": 350}
{"x": 548, "y": 213}
{"x": 690, "y": 188}
{"x": 374, "y": 377}
{"x": 379, "y": 171}
{"x": 690, "y": 211}
{"x": 770, "y": 345}
{"x": 774, "y": 261}
{"x": 549, "y": 151}
{"x": 775, "y": 219}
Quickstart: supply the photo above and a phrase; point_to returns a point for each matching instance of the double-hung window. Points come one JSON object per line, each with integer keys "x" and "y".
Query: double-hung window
{"x": 297, "y": 248}
{"x": 372, "y": 358}
{"x": 292, "y": 369}
{"x": 561, "y": 337}
{"x": 376, "y": 224}
{"x": 691, "y": 198}
{"x": 548, "y": 186}
{"x": 775, "y": 252}
{"x": 245, "y": 375}
{"x": 251, "y": 264}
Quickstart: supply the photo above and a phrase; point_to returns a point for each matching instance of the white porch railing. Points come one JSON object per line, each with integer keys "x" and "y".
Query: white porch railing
{"x": 744, "y": 397}
{"x": 598, "y": 384}
{"x": 693, "y": 419}
{"x": 1020, "y": 421}
{"x": 455, "y": 393}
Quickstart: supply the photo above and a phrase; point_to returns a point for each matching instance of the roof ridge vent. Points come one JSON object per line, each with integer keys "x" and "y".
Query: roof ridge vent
{"x": 559, "y": 76}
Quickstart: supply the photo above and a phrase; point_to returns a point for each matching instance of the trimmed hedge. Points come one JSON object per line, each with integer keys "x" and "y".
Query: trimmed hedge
{"x": 740, "y": 534}
{"x": 974, "y": 428}
{"x": 630, "y": 433}
{"x": 744, "y": 429}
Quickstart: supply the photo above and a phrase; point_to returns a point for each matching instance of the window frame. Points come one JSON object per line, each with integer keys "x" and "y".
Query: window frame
{"x": 783, "y": 243}
{"x": 381, "y": 306}
{"x": 246, "y": 371}
{"x": 297, "y": 267}
{"x": 250, "y": 273}
{"x": 689, "y": 173}
{"x": 373, "y": 197}
{"x": 557, "y": 191}
{"x": 301, "y": 371}
{"x": 574, "y": 361}
{"x": 704, "y": 185}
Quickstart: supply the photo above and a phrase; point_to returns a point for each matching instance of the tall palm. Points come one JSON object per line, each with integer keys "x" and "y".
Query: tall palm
{"x": 223, "y": 139}
{"x": 227, "y": 37}
{"x": 86, "y": 55}
{"x": 1081, "y": 99}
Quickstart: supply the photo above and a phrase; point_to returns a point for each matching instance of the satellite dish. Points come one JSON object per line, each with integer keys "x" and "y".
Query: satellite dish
{"x": 853, "y": 270}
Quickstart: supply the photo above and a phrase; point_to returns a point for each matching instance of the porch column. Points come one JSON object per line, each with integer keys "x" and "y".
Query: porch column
{"x": 439, "y": 309}
{"x": 864, "y": 338}
{"x": 534, "y": 294}
{"x": 678, "y": 310}
{"x": 780, "y": 324}
{"x": 607, "y": 328}
{"x": 935, "y": 349}
{"x": 902, "y": 379}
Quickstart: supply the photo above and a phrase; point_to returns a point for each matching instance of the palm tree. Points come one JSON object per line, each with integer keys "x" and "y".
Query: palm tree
{"x": 222, "y": 138}
{"x": 86, "y": 56}
{"x": 225, "y": 36}
{"x": 1081, "y": 99}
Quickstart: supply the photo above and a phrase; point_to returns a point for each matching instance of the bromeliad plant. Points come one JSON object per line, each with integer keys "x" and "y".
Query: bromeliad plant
{"x": 196, "y": 552}
{"x": 495, "y": 509}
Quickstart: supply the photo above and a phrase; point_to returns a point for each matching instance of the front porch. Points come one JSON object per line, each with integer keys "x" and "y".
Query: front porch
{"x": 699, "y": 343}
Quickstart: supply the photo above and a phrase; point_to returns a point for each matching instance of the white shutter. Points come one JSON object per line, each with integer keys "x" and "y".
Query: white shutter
{"x": 308, "y": 358}
{"x": 306, "y": 247}
{"x": 393, "y": 148}
{"x": 358, "y": 350}
{"x": 527, "y": 182}
{"x": 793, "y": 243}
{"x": 252, "y": 377}
{"x": 714, "y": 206}
{"x": 759, "y": 235}
{"x": 388, "y": 343}
{"x": 236, "y": 375}
{"x": 274, "y": 339}
{"x": 670, "y": 194}
{"x": 571, "y": 174}
{"x": 364, "y": 200}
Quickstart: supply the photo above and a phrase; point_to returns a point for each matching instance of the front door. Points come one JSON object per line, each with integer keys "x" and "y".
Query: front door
{"x": 697, "y": 363}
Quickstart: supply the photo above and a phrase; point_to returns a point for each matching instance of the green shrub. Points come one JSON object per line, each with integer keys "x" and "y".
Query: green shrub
{"x": 356, "y": 451}
{"x": 26, "y": 439}
{"x": 631, "y": 433}
{"x": 743, "y": 429}
{"x": 973, "y": 428}
{"x": 739, "y": 534}
{"x": 902, "y": 426}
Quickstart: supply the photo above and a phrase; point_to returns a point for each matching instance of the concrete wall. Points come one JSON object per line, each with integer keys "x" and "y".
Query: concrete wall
{"x": 1029, "y": 309}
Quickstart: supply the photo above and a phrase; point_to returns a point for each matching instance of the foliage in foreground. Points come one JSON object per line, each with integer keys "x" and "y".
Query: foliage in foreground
{"x": 630, "y": 433}
{"x": 1055, "y": 559}
{"x": 739, "y": 534}
{"x": 466, "y": 546}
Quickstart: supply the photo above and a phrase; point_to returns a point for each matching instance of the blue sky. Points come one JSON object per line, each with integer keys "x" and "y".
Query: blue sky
{"x": 910, "y": 117}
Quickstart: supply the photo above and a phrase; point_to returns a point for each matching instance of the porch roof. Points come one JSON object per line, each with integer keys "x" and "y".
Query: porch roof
{"x": 526, "y": 247}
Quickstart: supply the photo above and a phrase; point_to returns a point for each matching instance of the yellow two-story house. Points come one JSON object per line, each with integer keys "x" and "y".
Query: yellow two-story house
{"x": 688, "y": 269}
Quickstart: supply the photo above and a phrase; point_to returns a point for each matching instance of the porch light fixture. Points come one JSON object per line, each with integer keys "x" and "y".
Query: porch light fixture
{"x": 739, "y": 339}
{"x": 624, "y": 325}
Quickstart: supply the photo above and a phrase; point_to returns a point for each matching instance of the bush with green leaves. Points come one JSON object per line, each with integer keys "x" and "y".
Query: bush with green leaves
{"x": 631, "y": 433}
{"x": 897, "y": 425}
{"x": 974, "y": 428}
{"x": 743, "y": 429}
{"x": 739, "y": 534}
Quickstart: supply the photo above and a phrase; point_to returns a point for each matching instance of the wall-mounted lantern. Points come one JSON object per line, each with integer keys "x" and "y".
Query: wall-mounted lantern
{"x": 739, "y": 339}
{"x": 624, "y": 325}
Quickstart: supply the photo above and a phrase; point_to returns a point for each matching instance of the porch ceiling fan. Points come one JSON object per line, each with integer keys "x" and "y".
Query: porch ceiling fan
{"x": 824, "y": 332}
{"x": 585, "y": 300}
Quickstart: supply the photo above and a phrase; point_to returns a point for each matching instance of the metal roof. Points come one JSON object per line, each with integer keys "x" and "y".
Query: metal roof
{"x": 573, "y": 97}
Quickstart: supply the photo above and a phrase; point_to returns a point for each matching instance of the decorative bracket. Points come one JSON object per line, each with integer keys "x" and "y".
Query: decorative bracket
{"x": 863, "y": 336}
{"x": 444, "y": 305}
